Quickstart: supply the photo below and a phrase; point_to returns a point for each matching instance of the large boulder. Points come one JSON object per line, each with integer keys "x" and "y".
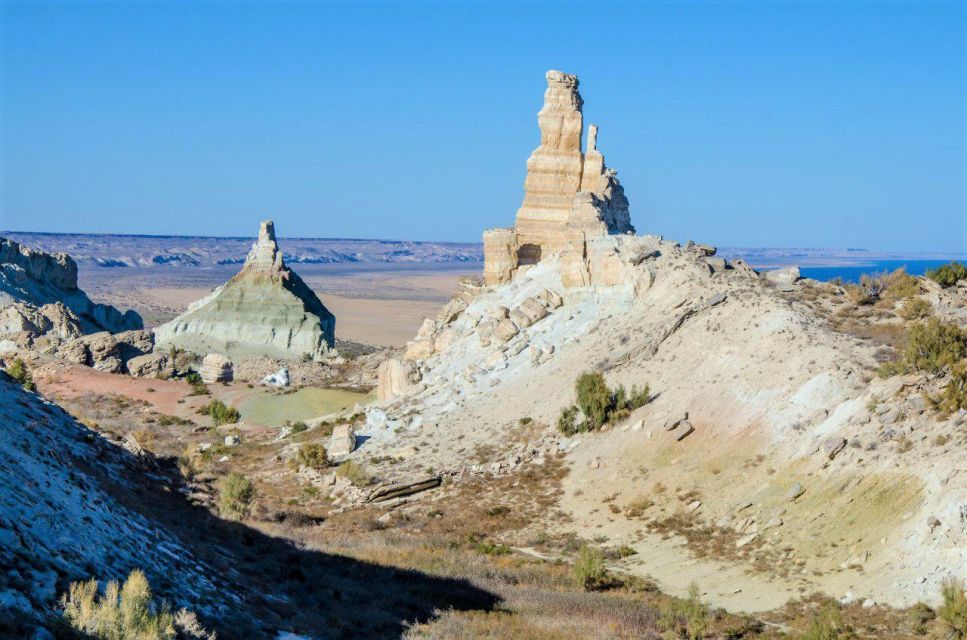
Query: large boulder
{"x": 216, "y": 368}
{"x": 342, "y": 441}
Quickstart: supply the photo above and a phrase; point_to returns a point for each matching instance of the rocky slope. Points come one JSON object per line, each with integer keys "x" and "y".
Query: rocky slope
{"x": 39, "y": 295}
{"x": 770, "y": 462}
{"x": 264, "y": 310}
{"x": 63, "y": 516}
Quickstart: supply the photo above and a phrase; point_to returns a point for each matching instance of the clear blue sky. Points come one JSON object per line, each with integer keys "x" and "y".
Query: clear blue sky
{"x": 820, "y": 124}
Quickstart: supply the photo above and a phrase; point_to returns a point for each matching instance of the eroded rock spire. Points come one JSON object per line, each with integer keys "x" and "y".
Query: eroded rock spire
{"x": 569, "y": 195}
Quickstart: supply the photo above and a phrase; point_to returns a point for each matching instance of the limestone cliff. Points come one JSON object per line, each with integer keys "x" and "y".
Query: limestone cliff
{"x": 570, "y": 195}
{"x": 38, "y": 292}
{"x": 265, "y": 309}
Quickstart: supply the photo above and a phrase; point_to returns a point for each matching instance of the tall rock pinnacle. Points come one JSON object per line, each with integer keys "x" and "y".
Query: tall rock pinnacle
{"x": 569, "y": 195}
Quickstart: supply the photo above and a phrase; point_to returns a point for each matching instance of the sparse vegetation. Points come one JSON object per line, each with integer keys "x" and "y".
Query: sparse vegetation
{"x": 235, "y": 497}
{"x": 688, "y": 619}
{"x": 588, "y": 571}
{"x": 827, "y": 624}
{"x": 313, "y": 455}
{"x": 954, "y": 396}
{"x": 636, "y": 508}
{"x": 930, "y": 346}
{"x": 599, "y": 405}
{"x": 949, "y": 274}
{"x": 953, "y": 611}
{"x": 124, "y": 612}
{"x": 298, "y": 427}
{"x": 19, "y": 372}
{"x": 354, "y": 472}
{"x": 220, "y": 413}
{"x": 198, "y": 387}
{"x": 896, "y": 285}
{"x": 915, "y": 309}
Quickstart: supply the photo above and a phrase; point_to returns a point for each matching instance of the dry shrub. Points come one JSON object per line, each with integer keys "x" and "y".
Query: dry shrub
{"x": 953, "y": 611}
{"x": 313, "y": 455}
{"x": 915, "y": 309}
{"x": 125, "y": 612}
{"x": 955, "y": 393}
{"x": 355, "y": 473}
{"x": 637, "y": 507}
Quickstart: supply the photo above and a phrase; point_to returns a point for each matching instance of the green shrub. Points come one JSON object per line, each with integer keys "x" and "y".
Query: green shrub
{"x": 930, "y": 346}
{"x": 588, "y": 571}
{"x": 124, "y": 612}
{"x": 221, "y": 413}
{"x": 934, "y": 344}
{"x": 948, "y": 275}
{"x": 235, "y": 497}
{"x": 298, "y": 427}
{"x": 594, "y": 398}
{"x": 198, "y": 387}
{"x": 19, "y": 372}
{"x": 599, "y": 404}
{"x": 354, "y": 472}
{"x": 953, "y": 611}
{"x": 568, "y": 424}
{"x": 313, "y": 455}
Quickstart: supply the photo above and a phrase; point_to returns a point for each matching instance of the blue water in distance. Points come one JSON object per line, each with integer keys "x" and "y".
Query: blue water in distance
{"x": 852, "y": 273}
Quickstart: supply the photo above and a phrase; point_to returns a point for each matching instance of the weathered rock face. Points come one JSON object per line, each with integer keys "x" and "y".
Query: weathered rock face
{"x": 44, "y": 289}
{"x": 569, "y": 195}
{"x": 264, "y": 310}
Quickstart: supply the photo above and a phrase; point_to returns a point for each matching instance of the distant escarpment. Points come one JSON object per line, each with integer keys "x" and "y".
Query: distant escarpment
{"x": 96, "y": 251}
{"x": 264, "y": 310}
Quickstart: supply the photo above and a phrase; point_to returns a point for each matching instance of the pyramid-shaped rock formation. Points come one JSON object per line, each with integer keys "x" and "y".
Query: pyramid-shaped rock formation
{"x": 264, "y": 310}
{"x": 570, "y": 195}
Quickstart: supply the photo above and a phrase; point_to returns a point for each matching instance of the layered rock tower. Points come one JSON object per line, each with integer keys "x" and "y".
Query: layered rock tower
{"x": 265, "y": 309}
{"x": 569, "y": 195}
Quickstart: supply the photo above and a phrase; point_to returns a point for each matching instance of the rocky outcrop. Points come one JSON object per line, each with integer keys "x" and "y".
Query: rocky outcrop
{"x": 264, "y": 310}
{"x": 112, "y": 352}
{"x": 39, "y": 295}
{"x": 396, "y": 377}
{"x": 569, "y": 195}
